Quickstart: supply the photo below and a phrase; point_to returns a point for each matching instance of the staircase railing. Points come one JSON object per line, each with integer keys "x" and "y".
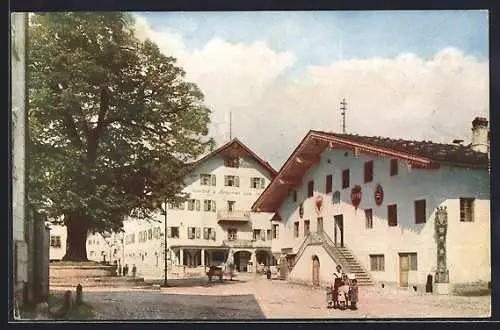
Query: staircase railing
{"x": 332, "y": 251}
{"x": 302, "y": 248}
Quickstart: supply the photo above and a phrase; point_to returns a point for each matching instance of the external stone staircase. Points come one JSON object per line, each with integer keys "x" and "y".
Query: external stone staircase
{"x": 341, "y": 255}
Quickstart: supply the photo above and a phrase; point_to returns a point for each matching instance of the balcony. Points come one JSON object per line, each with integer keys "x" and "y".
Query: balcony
{"x": 246, "y": 243}
{"x": 233, "y": 216}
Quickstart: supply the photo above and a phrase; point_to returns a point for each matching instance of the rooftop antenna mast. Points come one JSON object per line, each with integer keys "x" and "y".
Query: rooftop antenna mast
{"x": 343, "y": 107}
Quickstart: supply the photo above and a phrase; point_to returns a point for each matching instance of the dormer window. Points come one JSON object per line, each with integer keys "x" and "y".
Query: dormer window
{"x": 232, "y": 161}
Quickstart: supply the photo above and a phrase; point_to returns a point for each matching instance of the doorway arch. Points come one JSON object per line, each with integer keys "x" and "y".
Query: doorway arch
{"x": 315, "y": 270}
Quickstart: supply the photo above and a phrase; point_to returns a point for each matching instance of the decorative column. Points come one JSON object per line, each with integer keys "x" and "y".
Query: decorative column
{"x": 181, "y": 257}
{"x": 203, "y": 257}
{"x": 442, "y": 276}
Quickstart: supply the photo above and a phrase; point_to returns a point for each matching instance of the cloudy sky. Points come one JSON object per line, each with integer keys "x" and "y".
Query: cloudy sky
{"x": 414, "y": 75}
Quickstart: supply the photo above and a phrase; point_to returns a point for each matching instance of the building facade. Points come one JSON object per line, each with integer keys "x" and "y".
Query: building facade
{"x": 393, "y": 211}
{"x": 100, "y": 247}
{"x": 215, "y": 221}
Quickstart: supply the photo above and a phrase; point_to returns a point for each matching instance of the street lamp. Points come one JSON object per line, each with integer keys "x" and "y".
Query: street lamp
{"x": 165, "y": 284}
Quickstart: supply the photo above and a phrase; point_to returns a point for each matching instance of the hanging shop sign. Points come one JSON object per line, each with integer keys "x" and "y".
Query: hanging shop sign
{"x": 356, "y": 196}
{"x": 379, "y": 195}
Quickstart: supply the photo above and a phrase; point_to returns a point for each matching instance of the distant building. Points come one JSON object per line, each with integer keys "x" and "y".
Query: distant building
{"x": 99, "y": 246}
{"x": 216, "y": 219}
{"x": 375, "y": 205}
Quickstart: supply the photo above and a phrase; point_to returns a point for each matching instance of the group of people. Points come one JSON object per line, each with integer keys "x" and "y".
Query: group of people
{"x": 344, "y": 291}
{"x": 124, "y": 271}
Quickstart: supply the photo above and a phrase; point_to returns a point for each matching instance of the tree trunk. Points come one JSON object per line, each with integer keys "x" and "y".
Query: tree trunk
{"x": 76, "y": 241}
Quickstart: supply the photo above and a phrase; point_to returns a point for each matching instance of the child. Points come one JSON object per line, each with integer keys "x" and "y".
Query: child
{"x": 343, "y": 292}
{"x": 335, "y": 294}
{"x": 353, "y": 294}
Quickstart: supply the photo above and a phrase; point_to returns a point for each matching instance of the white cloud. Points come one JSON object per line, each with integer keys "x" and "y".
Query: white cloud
{"x": 403, "y": 97}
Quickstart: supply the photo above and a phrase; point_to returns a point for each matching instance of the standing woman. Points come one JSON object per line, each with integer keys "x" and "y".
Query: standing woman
{"x": 337, "y": 282}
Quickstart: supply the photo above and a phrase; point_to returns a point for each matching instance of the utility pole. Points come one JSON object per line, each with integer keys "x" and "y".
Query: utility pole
{"x": 343, "y": 105}
{"x": 165, "y": 282}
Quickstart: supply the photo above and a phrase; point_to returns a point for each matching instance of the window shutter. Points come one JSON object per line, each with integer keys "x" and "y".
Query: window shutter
{"x": 225, "y": 180}
{"x": 212, "y": 233}
{"x": 169, "y": 232}
{"x": 197, "y": 232}
{"x": 262, "y": 182}
{"x": 262, "y": 235}
{"x": 213, "y": 206}
{"x": 205, "y": 205}
{"x": 189, "y": 232}
{"x": 214, "y": 181}
{"x": 205, "y": 233}
{"x": 237, "y": 181}
{"x": 197, "y": 202}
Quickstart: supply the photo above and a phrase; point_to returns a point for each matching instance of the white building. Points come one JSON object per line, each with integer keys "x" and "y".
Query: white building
{"x": 100, "y": 247}
{"x": 222, "y": 186}
{"x": 369, "y": 204}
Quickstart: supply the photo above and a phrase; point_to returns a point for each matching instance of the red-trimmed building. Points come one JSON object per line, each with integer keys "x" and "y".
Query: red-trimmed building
{"x": 222, "y": 186}
{"x": 371, "y": 205}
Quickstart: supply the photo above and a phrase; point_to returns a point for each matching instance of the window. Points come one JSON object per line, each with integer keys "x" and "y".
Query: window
{"x": 329, "y": 183}
{"x": 197, "y": 203}
{"x": 420, "y": 211}
{"x": 345, "y": 178}
{"x": 412, "y": 258}
{"x": 209, "y": 233}
{"x": 207, "y": 180}
{"x": 392, "y": 215}
{"x": 276, "y": 231}
{"x": 191, "y": 204}
{"x": 232, "y": 234}
{"x": 369, "y": 218}
{"x": 394, "y": 167}
{"x": 193, "y": 232}
{"x": 177, "y": 206}
{"x": 467, "y": 209}
{"x": 296, "y": 229}
{"x": 269, "y": 234}
{"x": 369, "y": 171}
{"x": 150, "y": 234}
{"x": 307, "y": 227}
{"x": 89, "y": 242}
{"x": 55, "y": 241}
{"x": 209, "y": 205}
{"x": 310, "y": 188}
{"x": 231, "y": 181}
{"x": 231, "y": 161}
{"x": 173, "y": 232}
{"x": 294, "y": 195}
{"x": 230, "y": 205}
{"x": 156, "y": 233}
{"x": 257, "y": 183}
{"x": 256, "y": 234}
{"x": 377, "y": 262}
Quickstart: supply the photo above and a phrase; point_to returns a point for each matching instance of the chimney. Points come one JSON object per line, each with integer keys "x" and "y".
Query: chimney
{"x": 480, "y": 134}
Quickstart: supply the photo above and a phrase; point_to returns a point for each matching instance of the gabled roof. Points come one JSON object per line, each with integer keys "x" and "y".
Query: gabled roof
{"x": 236, "y": 144}
{"x": 420, "y": 154}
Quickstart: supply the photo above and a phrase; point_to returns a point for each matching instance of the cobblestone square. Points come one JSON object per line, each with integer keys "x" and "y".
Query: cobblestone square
{"x": 255, "y": 297}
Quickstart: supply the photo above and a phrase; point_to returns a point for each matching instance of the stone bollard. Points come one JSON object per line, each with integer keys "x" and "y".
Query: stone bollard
{"x": 79, "y": 294}
{"x": 68, "y": 303}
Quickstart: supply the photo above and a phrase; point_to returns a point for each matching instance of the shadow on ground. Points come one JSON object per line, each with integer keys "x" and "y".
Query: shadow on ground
{"x": 157, "y": 305}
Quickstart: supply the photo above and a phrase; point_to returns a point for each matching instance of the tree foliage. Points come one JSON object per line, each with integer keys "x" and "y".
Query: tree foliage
{"x": 112, "y": 121}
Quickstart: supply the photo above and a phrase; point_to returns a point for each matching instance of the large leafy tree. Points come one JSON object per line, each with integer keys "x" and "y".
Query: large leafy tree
{"x": 112, "y": 124}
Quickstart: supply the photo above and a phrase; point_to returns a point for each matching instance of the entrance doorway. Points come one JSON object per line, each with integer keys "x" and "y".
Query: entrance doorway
{"x": 338, "y": 230}
{"x": 315, "y": 270}
{"x": 404, "y": 269}
{"x": 319, "y": 227}
{"x": 241, "y": 259}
